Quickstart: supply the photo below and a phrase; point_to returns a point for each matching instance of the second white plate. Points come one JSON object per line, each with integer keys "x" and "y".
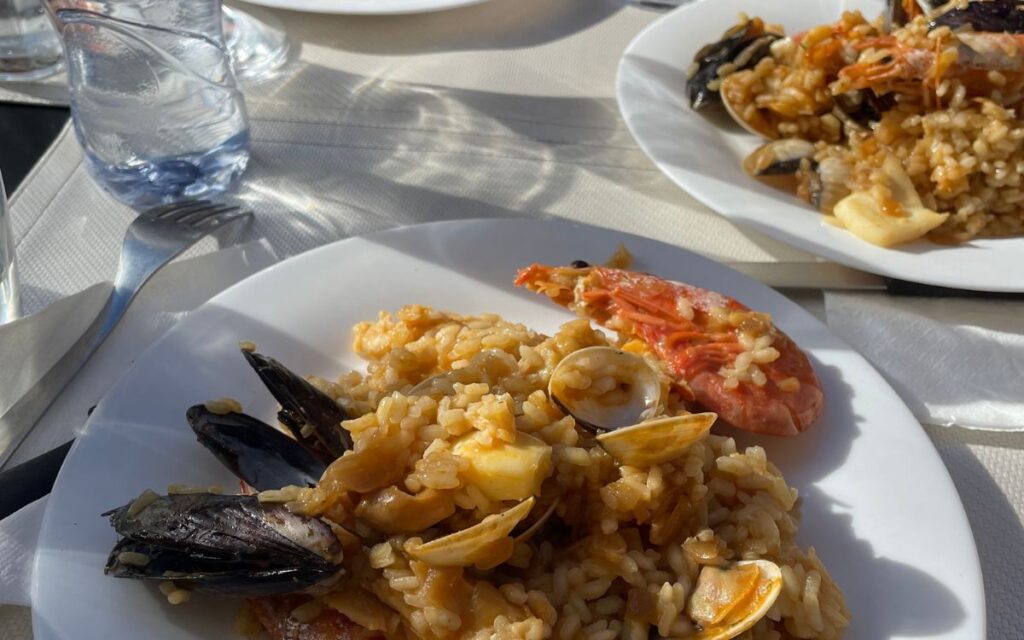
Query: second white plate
{"x": 702, "y": 154}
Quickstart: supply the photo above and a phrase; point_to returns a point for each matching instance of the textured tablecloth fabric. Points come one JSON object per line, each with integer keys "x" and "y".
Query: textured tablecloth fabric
{"x": 502, "y": 109}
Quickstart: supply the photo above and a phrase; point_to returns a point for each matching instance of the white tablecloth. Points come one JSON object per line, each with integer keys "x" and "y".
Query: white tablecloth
{"x": 502, "y": 109}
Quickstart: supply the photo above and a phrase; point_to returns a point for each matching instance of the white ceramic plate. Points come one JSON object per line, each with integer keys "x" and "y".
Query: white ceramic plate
{"x": 877, "y": 503}
{"x": 366, "y": 7}
{"x": 702, "y": 153}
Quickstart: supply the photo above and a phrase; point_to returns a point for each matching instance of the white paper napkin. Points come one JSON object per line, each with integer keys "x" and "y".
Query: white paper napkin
{"x": 37, "y": 342}
{"x": 174, "y": 291}
{"x": 954, "y": 361}
{"x": 18, "y": 534}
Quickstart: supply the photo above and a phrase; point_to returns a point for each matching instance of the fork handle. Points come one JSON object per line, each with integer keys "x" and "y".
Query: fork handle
{"x": 17, "y": 421}
{"x": 132, "y": 273}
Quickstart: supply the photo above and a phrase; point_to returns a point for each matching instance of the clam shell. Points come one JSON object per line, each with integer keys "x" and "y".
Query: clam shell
{"x": 482, "y": 545}
{"x": 638, "y": 395}
{"x": 656, "y": 441}
{"x": 760, "y": 129}
{"x": 752, "y": 600}
{"x": 540, "y": 522}
{"x": 778, "y": 157}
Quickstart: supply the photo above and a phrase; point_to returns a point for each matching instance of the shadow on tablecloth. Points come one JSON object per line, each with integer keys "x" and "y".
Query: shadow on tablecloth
{"x": 995, "y": 516}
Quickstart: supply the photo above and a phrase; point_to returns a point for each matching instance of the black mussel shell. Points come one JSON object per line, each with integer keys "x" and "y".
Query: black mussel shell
{"x": 303, "y": 406}
{"x": 998, "y": 16}
{"x": 255, "y": 451}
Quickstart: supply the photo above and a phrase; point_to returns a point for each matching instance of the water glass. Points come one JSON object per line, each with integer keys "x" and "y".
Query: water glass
{"x": 154, "y": 101}
{"x": 10, "y": 308}
{"x": 29, "y": 48}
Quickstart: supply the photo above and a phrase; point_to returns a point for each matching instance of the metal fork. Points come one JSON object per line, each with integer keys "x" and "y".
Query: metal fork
{"x": 152, "y": 240}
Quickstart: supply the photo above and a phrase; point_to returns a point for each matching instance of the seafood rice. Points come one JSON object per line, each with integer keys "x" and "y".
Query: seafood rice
{"x": 640, "y": 536}
{"x": 477, "y": 501}
{"x": 914, "y": 119}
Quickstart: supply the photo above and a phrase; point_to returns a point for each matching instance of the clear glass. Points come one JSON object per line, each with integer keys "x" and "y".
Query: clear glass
{"x": 29, "y": 48}
{"x": 154, "y": 101}
{"x": 257, "y": 42}
{"x": 10, "y": 308}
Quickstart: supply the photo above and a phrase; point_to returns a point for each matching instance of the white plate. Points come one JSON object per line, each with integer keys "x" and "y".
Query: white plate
{"x": 702, "y": 154}
{"x": 877, "y": 502}
{"x": 366, "y": 7}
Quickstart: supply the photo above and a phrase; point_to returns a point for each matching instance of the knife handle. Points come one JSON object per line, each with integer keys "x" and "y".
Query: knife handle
{"x": 30, "y": 480}
{"x": 897, "y": 287}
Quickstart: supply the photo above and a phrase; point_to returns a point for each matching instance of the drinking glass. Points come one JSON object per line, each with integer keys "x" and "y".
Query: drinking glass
{"x": 10, "y": 308}
{"x": 29, "y": 49}
{"x": 258, "y": 44}
{"x": 154, "y": 101}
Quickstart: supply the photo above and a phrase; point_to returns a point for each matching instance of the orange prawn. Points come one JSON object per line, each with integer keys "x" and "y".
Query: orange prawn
{"x": 975, "y": 52}
{"x": 704, "y": 338}
{"x": 274, "y": 615}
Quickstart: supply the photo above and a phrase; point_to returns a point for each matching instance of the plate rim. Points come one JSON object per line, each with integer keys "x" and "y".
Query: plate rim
{"x": 818, "y": 247}
{"x": 99, "y": 413}
{"x": 366, "y": 7}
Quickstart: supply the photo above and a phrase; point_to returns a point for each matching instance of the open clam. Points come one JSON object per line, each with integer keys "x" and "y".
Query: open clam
{"x": 656, "y": 441}
{"x": 823, "y": 183}
{"x": 605, "y": 389}
{"x": 486, "y": 544}
{"x": 614, "y": 394}
{"x": 742, "y": 109}
{"x": 538, "y": 524}
{"x": 779, "y": 157}
{"x": 727, "y": 602}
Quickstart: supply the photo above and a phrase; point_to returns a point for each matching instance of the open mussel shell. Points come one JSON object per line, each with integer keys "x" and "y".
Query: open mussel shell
{"x": 605, "y": 388}
{"x": 211, "y": 575}
{"x": 741, "y": 47}
{"x": 262, "y": 456}
{"x": 727, "y": 602}
{"x": 656, "y": 441}
{"x": 220, "y": 543}
{"x": 310, "y": 414}
{"x": 485, "y": 544}
{"x": 994, "y": 16}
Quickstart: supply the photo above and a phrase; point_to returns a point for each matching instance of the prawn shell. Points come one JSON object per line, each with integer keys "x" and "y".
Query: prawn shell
{"x": 274, "y": 614}
{"x": 766, "y": 409}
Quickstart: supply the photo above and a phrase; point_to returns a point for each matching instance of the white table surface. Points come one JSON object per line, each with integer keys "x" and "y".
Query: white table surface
{"x": 502, "y": 109}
